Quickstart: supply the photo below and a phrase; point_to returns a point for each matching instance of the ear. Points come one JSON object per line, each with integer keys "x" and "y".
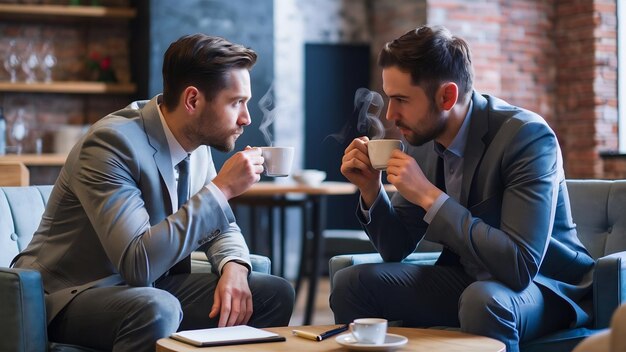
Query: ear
{"x": 447, "y": 95}
{"x": 190, "y": 99}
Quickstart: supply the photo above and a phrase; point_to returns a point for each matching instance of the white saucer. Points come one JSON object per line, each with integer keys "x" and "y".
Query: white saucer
{"x": 392, "y": 343}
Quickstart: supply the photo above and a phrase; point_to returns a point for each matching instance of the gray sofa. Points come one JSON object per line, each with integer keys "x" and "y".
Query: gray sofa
{"x": 22, "y": 307}
{"x": 599, "y": 211}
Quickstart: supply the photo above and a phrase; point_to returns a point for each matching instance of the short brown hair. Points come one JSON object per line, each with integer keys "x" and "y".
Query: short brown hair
{"x": 432, "y": 55}
{"x": 201, "y": 61}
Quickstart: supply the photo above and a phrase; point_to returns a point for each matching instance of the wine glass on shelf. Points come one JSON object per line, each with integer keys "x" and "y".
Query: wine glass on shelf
{"x": 12, "y": 60}
{"x": 19, "y": 130}
{"x": 48, "y": 61}
{"x": 30, "y": 63}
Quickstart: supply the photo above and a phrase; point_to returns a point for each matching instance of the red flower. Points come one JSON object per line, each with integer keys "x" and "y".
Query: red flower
{"x": 105, "y": 64}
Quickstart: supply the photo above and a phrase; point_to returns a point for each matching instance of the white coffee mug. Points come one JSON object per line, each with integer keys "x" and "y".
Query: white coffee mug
{"x": 379, "y": 151}
{"x": 369, "y": 330}
{"x": 278, "y": 160}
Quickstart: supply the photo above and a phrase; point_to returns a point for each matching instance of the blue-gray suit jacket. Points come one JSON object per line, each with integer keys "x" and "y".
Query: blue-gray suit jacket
{"x": 513, "y": 220}
{"x": 110, "y": 219}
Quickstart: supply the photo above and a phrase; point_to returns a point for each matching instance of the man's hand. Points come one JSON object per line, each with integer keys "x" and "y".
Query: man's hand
{"x": 409, "y": 179}
{"x": 240, "y": 172}
{"x": 356, "y": 167}
{"x": 232, "y": 299}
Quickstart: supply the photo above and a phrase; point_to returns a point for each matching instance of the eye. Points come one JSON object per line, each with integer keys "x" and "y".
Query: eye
{"x": 399, "y": 100}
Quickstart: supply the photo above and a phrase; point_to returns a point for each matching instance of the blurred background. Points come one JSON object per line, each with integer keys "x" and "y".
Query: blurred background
{"x": 67, "y": 63}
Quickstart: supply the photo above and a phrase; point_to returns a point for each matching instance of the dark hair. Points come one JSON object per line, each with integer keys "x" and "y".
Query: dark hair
{"x": 432, "y": 56}
{"x": 201, "y": 61}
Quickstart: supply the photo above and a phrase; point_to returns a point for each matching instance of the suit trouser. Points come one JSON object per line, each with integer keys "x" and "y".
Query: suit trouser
{"x": 124, "y": 318}
{"x": 429, "y": 295}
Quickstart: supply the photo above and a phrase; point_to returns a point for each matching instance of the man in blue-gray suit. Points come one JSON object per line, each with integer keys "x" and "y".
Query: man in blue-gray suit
{"x": 482, "y": 178}
{"x": 138, "y": 194}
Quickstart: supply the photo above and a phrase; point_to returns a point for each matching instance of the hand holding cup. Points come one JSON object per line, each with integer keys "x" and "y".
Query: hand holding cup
{"x": 379, "y": 151}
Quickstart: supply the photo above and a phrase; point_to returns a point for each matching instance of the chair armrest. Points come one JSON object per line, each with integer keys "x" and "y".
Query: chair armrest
{"x": 609, "y": 287}
{"x": 261, "y": 264}
{"x": 23, "y": 318}
{"x": 339, "y": 262}
{"x": 200, "y": 263}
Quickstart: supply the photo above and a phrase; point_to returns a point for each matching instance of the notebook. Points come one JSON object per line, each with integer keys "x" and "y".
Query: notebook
{"x": 231, "y": 335}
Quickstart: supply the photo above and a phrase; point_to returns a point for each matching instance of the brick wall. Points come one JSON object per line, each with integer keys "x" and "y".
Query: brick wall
{"x": 555, "y": 57}
{"x": 389, "y": 20}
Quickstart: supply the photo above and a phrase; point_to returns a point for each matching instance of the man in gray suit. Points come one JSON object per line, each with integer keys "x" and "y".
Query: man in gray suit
{"x": 482, "y": 178}
{"x": 120, "y": 218}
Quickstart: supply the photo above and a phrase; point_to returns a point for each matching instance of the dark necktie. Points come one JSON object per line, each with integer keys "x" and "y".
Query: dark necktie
{"x": 183, "y": 182}
{"x": 184, "y": 266}
{"x": 447, "y": 257}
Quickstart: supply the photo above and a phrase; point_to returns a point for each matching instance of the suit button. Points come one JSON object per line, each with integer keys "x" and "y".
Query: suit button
{"x": 14, "y": 236}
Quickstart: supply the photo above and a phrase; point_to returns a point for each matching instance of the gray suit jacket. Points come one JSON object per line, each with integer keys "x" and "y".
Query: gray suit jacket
{"x": 513, "y": 222}
{"x": 110, "y": 220}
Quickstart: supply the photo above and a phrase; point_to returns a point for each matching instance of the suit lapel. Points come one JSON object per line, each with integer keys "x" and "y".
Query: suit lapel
{"x": 475, "y": 146}
{"x": 158, "y": 141}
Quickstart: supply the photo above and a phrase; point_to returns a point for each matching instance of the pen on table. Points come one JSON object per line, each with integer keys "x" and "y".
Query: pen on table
{"x": 322, "y": 336}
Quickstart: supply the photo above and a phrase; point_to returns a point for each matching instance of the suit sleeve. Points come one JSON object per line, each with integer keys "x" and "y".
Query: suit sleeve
{"x": 395, "y": 226}
{"x": 230, "y": 244}
{"x": 511, "y": 249}
{"x": 107, "y": 186}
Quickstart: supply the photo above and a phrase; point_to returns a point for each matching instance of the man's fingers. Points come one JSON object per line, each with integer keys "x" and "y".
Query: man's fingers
{"x": 357, "y": 143}
{"x": 235, "y": 310}
{"x": 241, "y": 314}
{"x": 249, "y": 310}
{"x": 215, "y": 309}
{"x": 225, "y": 311}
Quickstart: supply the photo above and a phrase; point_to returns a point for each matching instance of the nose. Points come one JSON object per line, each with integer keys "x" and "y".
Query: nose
{"x": 390, "y": 115}
{"x": 244, "y": 116}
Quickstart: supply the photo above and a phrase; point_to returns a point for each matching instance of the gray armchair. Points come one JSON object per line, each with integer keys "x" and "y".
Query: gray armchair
{"x": 598, "y": 210}
{"x": 23, "y": 317}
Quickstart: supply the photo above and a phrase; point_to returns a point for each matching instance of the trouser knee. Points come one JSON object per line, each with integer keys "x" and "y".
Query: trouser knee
{"x": 273, "y": 298}
{"x": 158, "y": 313}
{"x": 485, "y": 309}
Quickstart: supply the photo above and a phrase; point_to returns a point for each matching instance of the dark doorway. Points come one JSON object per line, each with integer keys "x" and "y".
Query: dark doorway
{"x": 333, "y": 73}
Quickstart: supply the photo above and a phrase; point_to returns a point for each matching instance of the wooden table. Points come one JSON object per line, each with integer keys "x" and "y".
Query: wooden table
{"x": 311, "y": 200}
{"x": 430, "y": 340}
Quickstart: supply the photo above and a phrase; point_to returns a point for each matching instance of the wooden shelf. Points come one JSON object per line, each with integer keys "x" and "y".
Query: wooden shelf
{"x": 69, "y": 87}
{"x": 67, "y": 11}
{"x": 36, "y": 159}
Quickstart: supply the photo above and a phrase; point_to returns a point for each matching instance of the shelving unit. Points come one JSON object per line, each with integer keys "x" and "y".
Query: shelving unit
{"x": 33, "y": 11}
{"x": 69, "y": 87}
{"x": 35, "y": 159}
{"x": 70, "y": 98}
{"x": 23, "y": 12}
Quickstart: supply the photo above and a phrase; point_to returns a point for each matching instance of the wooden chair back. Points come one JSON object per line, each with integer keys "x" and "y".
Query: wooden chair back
{"x": 13, "y": 173}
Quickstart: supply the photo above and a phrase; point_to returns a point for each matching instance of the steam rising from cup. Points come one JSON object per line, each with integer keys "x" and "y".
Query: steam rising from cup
{"x": 267, "y": 104}
{"x": 365, "y": 119}
{"x": 370, "y": 105}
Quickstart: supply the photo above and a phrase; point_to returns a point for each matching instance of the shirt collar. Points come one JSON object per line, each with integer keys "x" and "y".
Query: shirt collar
{"x": 457, "y": 147}
{"x": 177, "y": 152}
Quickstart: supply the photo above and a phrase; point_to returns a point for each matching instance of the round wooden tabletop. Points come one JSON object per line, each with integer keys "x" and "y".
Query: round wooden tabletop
{"x": 431, "y": 340}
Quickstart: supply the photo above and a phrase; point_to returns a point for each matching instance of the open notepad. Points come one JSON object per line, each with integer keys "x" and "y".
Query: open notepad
{"x": 232, "y": 335}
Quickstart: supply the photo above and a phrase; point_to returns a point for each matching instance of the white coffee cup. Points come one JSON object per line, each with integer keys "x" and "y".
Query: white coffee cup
{"x": 278, "y": 160}
{"x": 369, "y": 330}
{"x": 379, "y": 151}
